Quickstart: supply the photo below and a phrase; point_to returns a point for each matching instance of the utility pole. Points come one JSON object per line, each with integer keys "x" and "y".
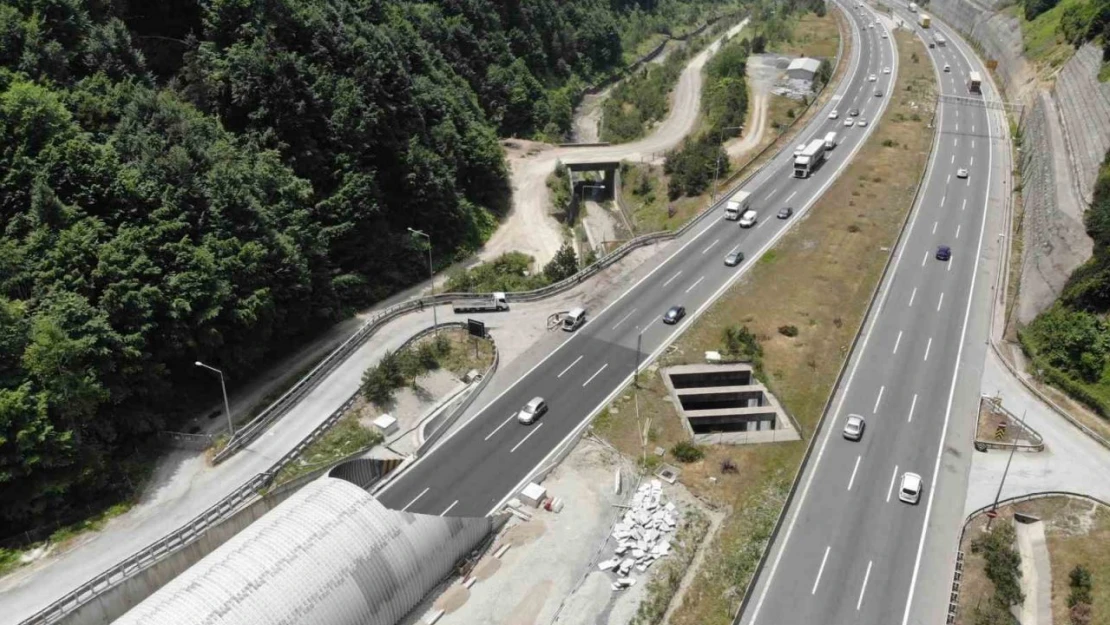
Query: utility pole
{"x": 717, "y": 169}
{"x": 636, "y": 374}
{"x": 1013, "y": 448}
{"x": 431, "y": 275}
{"x": 223, "y": 387}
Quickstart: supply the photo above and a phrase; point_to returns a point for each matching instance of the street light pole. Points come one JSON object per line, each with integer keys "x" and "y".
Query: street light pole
{"x": 432, "y": 275}
{"x": 636, "y": 374}
{"x": 998, "y": 495}
{"x": 223, "y": 387}
{"x": 720, "y": 142}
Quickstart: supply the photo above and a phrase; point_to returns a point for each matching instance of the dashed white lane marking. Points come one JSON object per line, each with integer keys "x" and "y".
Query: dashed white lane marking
{"x": 672, "y": 278}
{"x": 624, "y": 318}
{"x": 711, "y": 246}
{"x": 926, "y": 259}
{"x": 964, "y": 205}
{"x": 444, "y": 513}
{"x": 490, "y": 435}
{"x": 569, "y": 366}
{"x": 852, "y": 480}
{"x": 864, "y": 587}
{"x": 928, "y": 346}
{"x": 878, "y": 399}
{"x": 692, "y": 286}
{"x": 598, "y": 372}
{"x": 957, "y": 231}
{"x": 820, "y": 570}
{"x": 913, "y": 404}
{"x": 536, "y": 429}
{"x": 941, "y": 302}
{"x": 897, "y": 342}
{"x": 935, "y": 226}
{"x": 893, "y": 476}
{"x": 415, "y": 498}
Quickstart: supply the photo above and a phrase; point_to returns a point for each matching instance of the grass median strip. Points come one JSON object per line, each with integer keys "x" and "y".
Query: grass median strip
{"x": 817, "y": 281}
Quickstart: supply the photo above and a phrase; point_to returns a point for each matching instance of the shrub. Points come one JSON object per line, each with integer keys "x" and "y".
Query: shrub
{"x": 1003, "y": 563}
{"x": 685, "y": 451}
{"x": 728, "y": 466}
{"x": 853, "y": 228}
{"x": 790, "y": 331}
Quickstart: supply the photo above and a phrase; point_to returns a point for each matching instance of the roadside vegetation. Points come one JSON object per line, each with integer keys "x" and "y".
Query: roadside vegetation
{"x": 1077, "y": 534}
{"x": 343, "y": 439}
{"x": 450, "y": 349}
{"x": 512, "y": 271}
{"x": 1053, "y": 29}
{"x": 816, "y": 284}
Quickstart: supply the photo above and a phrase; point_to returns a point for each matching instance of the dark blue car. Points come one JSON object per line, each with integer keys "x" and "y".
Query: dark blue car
{"x": 944, "y": 252}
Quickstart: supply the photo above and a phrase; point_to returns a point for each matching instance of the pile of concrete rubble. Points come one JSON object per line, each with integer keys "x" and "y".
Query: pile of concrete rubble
{"x": 641, "y": 534}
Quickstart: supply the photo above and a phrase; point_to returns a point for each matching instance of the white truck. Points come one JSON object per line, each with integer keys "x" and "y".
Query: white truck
{"x": 830, "y": 141}
{"x": 490, "y": 303}
{"x": 913, "y": 7}
{"x": 810, "y": 158}
{"x": 923, "y": 20}
{"x": 939, "y": 38}
{"x": 736, "y": 205}
{"x": 974, "y": 82}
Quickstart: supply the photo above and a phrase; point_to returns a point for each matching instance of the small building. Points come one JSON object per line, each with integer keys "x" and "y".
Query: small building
{"x": 803, "y": 69}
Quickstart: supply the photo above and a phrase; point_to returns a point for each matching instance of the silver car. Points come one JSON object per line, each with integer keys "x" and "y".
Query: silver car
{"x": 531, "y": 411}
{"x": 910, "y": 491}
{"x": 853, "y": 427}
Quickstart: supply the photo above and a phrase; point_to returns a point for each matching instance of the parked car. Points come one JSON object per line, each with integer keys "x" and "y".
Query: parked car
{"x": 734, "y": 258}
{"x": 910, "y": 491}
{"x": 944, "y": 252}
{"x": 674, "y": 315}
{"x": 853, "y": 427}
{"x": 534, "y": 409}
{"x": 785, "y": 212}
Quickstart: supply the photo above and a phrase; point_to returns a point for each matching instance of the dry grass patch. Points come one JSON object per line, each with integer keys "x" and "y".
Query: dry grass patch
{"x": 820, "y": 278}
{"x": 812, "y": 36}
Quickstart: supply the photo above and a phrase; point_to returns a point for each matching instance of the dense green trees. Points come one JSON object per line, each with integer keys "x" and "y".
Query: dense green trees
{"x": 217, "y": 180}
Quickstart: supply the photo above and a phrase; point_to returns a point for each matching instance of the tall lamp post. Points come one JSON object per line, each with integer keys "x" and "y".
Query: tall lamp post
{"x": 717, "y": 170}
{"x": 223, "y": 387}
{"x": 431, "y": 274}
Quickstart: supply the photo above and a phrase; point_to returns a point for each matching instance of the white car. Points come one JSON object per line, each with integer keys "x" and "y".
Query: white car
{"x": 910, "y": 491}
{"x": 848, "y": 123}
{"x": 947, "y": 67}
{"x": 884, "y": 34}
{"x": 834, "y": 115}
{"x": 872, "y": 78}
{"x": 853, "y": 427}
{"x": 861, "y": 122}
{"x": 886, "y": 70}
{"x": 748, "y": 219}
{"x": 961, "y": 173}
{"x": 531, "y": 411}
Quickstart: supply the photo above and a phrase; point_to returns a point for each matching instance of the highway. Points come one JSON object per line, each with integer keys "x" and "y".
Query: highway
{"x": 850, "y": 551}
{"x": 488, "y": 459}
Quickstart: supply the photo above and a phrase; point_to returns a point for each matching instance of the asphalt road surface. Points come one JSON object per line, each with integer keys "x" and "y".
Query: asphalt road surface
{"x": 850, "y": 551}
{"x": 488, "y": 460}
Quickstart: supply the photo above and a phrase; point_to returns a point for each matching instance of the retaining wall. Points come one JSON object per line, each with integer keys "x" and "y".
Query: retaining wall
{"x": 1085, "y": 114}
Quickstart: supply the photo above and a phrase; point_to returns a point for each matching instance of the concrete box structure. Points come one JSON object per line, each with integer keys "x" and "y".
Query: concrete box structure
{"x": 386, "y": 424}
{"x": 725, "y": 403}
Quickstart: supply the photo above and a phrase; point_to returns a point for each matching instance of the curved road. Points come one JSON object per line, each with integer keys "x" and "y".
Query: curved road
{"x": 481, "y": 464}
{"x": 850, "y": 551}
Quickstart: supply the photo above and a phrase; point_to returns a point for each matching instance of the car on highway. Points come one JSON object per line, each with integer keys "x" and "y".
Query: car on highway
{"x": 534, "y": 409}
{"x": 861, "y": 122}
{"x": 734, "y": 258}
{"x": 849, "y": 122}
{"x": 872, "y": 78}
{"x": 854, "y": 112}
{"x": 834, "y": 115}
{"x": 947, "y": 68}
{"x": 748, "y": 219}
{"x": 878, "y": 93}
{"x": 944, "y": 252}
{"x": 932, "y": 44}
{"x": 910, "y": 490}
{"x": 674, "y": 315}
{"x": 961, "y": 173}
{"x": 886, "y": 70}
{"x": 884, "y": 34}
{"x": 785, "y": 212}
{"x": 853, "y": 427}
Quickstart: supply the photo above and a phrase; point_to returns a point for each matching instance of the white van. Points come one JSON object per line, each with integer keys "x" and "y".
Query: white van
{"x": 830, "y": 141}
{"x": 748, "y": 219}
{"x": 574, "y": 319}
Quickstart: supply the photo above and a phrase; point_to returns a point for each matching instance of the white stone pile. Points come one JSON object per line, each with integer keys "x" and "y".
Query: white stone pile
{"x": 642, "y": 534}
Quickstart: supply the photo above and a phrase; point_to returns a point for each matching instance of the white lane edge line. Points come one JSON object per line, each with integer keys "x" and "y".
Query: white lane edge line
{"x": 528, "y": 436}
{"x": 597, "y": 373}
{"x": 570, "y": 365}
{"x": 852, "y": 480}
{"x": 415, "y": 498}
{"x": 820, "y": 570}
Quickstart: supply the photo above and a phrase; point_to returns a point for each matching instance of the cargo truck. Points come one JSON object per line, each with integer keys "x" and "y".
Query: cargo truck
{"x": 939, "y": 38}
{"x": 974, "y": 82}
{"x": 923, "y": 20}
{"x": 810, "y": 158}
{"x": 490, "y": 303}
{"x": 736, "y": 205}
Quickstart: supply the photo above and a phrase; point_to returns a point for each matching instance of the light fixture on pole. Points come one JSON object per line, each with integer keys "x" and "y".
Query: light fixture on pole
{"x": 223, "y": 387}
{"x": 431, "y": 275}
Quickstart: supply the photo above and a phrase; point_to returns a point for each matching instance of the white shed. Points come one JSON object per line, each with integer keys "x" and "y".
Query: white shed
{"x": 803, "y": 69}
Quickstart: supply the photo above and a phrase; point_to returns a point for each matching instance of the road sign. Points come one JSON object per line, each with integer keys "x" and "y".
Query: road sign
{"x": 992, "y": 513}
{"x": 476, "y": 328}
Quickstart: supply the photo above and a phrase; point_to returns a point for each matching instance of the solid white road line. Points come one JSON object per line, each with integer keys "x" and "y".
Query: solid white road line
{"x": 913, "y": 405}
{"x": 957, "y": 231}
{"x": 534, "y": 430}
{"x": 820, "y": 570}
{"x": 624, "y": 319}
{"x": 897, "y": 342}
{"x": 716, "y": 241}
{"x": 444, "y": 513}
{"x": 852, "y": 480}
{"x": 928, "y": 346}
{"x": 914, "y": 294}
{"x": 893, "y": 477}
{"x": 415, "y": 498}
{"x": 941, "y": 302}
{"x": 490, "y": 435}
{"x": 569, "y": 366}
{"x": 595, "y": 374}
{"x": 692, "y": 286}
{"x": 878, "y": 399}
{"x": 864, "y": 587}
{"x": 672, "y": 278}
